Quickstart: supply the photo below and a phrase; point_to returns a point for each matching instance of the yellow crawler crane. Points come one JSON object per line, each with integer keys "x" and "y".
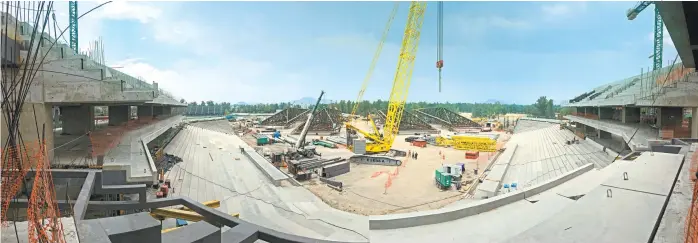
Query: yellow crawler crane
{"x": 403, "y": 76}
{"x": 372, "y": 67}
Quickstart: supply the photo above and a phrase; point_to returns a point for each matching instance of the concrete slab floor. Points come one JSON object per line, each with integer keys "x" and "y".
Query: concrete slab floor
{"x": 214, "y": 169}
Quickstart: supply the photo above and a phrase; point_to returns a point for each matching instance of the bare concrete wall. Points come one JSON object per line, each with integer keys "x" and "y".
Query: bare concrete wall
{"x": 30, "y": 126}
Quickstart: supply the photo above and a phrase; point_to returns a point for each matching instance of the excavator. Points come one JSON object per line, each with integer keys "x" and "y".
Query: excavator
{"x": 382, "y": 142}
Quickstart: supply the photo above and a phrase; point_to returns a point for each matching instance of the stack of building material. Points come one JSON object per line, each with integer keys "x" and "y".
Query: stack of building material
{"x": 302, "y": 168}
{"x": 335, "y": 169}
{"x": 337, "y": 140}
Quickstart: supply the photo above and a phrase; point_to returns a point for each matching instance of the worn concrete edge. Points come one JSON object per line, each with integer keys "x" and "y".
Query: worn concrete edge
{"x": 204, "y": 119}
{"x": 395, "y": 221}
{"x": 599, "y": 125}
{"x": 541, "y": 120}
{"x": 267, "y": 174}
{"x": 672, "y": 217}
{"x": 151, "y": 163}
{"x": 600, "y": 147}
{"x": 476, "y": 183}
{"x": 498, "y": 181}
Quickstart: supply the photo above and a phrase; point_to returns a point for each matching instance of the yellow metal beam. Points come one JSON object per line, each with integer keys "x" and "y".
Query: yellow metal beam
{"x": 210, "y": 204}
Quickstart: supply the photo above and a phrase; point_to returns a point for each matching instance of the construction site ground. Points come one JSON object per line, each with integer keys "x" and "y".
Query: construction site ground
{"x": 366, "y": 189}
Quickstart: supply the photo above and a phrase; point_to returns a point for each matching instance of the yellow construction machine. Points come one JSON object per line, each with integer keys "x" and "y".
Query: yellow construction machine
{"x": 183, "y": 214}
{"x": 380, "y": 143}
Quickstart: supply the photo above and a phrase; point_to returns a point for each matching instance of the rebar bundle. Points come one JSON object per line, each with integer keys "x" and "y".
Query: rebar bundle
{"x": 24, "y": 46}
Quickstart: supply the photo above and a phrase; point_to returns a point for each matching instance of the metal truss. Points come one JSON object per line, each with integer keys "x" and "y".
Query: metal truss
{"x": 409, "y": 121}
{"x": 285, "y": 117}
{"x": 326, "y": 119}
{"x": 444, "y": 117}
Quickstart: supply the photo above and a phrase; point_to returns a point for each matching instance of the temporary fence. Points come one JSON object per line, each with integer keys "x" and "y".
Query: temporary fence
{"x": 104, "y": 140}
{"x": 16, "y": 161}
{"x": 43, "y": 214}
{"x": 692, "y": 217}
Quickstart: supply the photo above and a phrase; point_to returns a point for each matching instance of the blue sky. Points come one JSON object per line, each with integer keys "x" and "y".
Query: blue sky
{"x": 282, "y": 51}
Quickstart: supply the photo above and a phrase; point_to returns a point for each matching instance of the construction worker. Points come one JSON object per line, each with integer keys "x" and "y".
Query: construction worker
{"x": 415, "y": 155}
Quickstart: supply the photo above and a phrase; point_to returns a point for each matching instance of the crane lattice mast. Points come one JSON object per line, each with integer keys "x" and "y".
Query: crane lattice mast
{"x": 73, "y": 22}
{"x": 658, "y": 31}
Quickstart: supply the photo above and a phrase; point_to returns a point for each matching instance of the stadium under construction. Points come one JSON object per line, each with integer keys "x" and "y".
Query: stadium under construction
{"x": 91, "y": 154}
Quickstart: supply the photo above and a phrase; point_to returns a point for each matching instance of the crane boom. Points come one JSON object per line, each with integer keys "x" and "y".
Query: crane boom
{"x": 304, "y": 132}
{"x": 376, "y": 56}
{"x": 401, "y": 82}
{"x": 403, "y": 75}
{"x": 658, "y": 31}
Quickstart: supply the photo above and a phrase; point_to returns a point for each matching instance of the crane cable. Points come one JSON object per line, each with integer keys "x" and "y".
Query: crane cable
{"x": 376, "y": 56}
{"x": 440, "y": 39}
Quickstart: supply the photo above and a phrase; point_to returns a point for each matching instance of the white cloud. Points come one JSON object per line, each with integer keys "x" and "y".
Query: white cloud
{"x": 224, "y": 77}
{"x": 227, "y": 80}
{"x": 90, "y": 25}
{"x": 559, "y": 14}
{"x": 563, "y": 9}
{"x": 122, "y": 10}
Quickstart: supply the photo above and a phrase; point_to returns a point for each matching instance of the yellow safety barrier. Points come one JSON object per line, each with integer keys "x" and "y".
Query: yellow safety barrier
{"x": 443, "y": 142}
{"x": 474, "y": 144}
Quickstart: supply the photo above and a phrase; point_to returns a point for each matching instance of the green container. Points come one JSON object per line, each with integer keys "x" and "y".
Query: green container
{"x": 324, "y": 144}
{"x": 443, "y": 180}
{"x": 262, "y": 140}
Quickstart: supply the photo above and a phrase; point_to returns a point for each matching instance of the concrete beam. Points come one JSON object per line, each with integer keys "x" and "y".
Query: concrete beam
{"x": 145, "y": 111}
{"x": 85, "y": 192}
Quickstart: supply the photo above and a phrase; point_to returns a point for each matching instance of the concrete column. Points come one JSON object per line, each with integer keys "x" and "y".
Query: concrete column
{"x": 157, "y": 110}
{"x": 659, "y": 116}
{"x": 78, "y": 120}
{"x": 28, "y": 124}
{"x": 145, "y": 111}
{"x": 119, "y": 114}
{"x": 167, "y": 110}
{"x": 631, "y": 114}
{"x": 694, "y": 122}
{"x": 605, "y": 113}
{"x": 669, "y": 116}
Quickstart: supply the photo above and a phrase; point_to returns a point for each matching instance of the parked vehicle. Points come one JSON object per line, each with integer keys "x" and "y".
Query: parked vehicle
{"x": 411, "y": 138}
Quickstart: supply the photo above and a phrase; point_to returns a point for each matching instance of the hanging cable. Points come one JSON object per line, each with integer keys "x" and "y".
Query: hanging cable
{"x": 440, "y": 39}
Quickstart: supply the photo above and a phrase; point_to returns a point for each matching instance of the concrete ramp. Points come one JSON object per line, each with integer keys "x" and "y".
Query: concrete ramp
{"x": 624, "y": 208}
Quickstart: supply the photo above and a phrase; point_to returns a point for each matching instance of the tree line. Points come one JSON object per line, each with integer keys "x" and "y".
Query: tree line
{"x": 543, "y": 107}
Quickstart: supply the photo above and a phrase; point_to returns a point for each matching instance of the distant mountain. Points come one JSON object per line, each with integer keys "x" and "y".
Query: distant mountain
{"x": 309, "y": 101}
{"x": 304, "y": 101}
{"x": 492, "y": 101}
